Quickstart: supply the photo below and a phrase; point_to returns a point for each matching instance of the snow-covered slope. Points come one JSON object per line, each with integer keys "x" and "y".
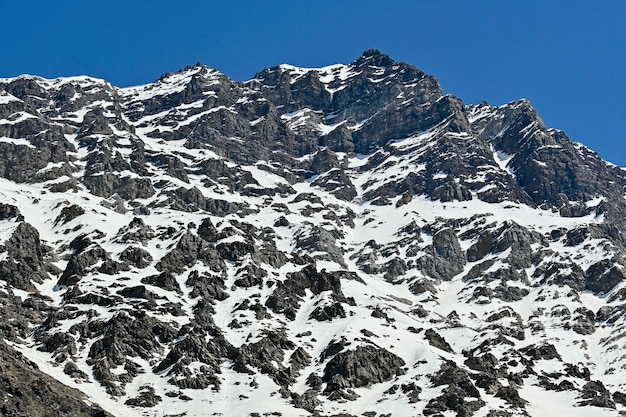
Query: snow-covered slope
{"x": 346, "y": 240}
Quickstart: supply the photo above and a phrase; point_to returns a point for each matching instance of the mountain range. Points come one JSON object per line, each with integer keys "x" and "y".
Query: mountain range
{"x": 337, "y": 241}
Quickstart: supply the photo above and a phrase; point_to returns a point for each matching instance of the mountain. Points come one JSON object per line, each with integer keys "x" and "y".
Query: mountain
{"x": 345, "y": 241}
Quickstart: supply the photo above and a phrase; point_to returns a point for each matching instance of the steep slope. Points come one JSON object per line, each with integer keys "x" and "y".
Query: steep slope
{"x": 347, "y": 240}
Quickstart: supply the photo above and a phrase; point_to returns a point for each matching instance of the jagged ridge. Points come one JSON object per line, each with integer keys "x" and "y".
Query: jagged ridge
{"x": 347, "y": 239}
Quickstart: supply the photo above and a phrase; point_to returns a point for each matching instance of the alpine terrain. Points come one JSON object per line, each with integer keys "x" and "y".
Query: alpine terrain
{"x": 340, "y": 241}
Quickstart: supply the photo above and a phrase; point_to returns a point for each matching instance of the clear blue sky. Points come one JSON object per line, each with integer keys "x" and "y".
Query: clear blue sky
{"x": 567, "y": 57}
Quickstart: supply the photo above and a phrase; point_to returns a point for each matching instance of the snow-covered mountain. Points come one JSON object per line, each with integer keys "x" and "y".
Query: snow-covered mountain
{"x": 346, "y": 241}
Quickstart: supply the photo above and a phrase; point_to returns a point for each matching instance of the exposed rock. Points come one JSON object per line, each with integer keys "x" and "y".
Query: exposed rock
{"x": 436, "y": 340}
{"x": 338, "y": 183}
{"x": 72, "y": 370}
{"x": 135, "y": 231}
{"x": 207, "y": 231}
{"x": 444, "y": 258}
{"x": 187, "y": 252}
{"x": 26, "y": 389}
{"x": 68, "y": 214}
{"x": 323, "y": 241}
{"x": 86, "y": 255}
{"x": 361, "y": 367}
{"x": 207, "y": 286}
{"x": 545, "y": 351}
{"x": 602, "y": 276}
{"x": 329, "y": 312}
{"x": 595, "y": 394}
{"x": 266, "y": 355}
{"x": 26, "y": 260}
{"x": 124, "y": 337}
{"x": 8, "y": 211}
{"x": 454, "y": 396}
{"x": 165, "y": 280}
{"x": 146, "y": 398}
{"x": 286, "y": 297}
{"x": 136, "y": 256}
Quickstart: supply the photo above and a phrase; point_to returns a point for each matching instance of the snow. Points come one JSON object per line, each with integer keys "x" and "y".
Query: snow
{"x": 549, "y": 147}
{"x": 294, "y": 115}
{"x": 326, "y": 74}
{"x": 503, "y": 159}
{"x": 17, "y": 118}
{"x": 543, "y": 403}
{"x": 326, "y": 129}
{"x": 54, "y": 83}
{"x": 257, "y": 121}
{"x": 333, "y": 77}
{"x": 195, "y": 117}
{"x": 421, "y": 139}
{"x": 170, "y": 84}
{"x": 6, "y": 98}
{"x": 18, "y": 142}
{"x": 594, "y": 201}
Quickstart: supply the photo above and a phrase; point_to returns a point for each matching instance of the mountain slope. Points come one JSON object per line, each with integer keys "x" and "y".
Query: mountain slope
{"x": 343, "y": 240}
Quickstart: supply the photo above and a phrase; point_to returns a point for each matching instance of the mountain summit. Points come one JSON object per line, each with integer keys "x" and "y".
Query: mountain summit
{"x": 346, "y": 240}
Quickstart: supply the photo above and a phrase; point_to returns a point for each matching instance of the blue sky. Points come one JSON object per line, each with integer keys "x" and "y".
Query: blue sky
{"x": 567, "y": 57}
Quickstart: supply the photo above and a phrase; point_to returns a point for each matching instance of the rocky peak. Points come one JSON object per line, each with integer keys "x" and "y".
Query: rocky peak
{"x": 375, "y": 58}
{"x": 342, "y": 240}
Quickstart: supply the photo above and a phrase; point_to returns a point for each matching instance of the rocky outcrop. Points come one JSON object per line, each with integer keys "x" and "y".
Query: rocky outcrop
{"x": 27, "y": 259}
{"x": 189, "y": 250}
{"x": 444, "y": 259}
{"x": 361, "y": 367}
{"x": 287, "y": 296}
{"x": 24, "y": 388}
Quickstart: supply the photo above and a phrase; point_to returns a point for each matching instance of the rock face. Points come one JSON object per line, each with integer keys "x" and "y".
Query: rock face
{"x": 346, "y": 240}
{"x": 27, "y": 391}
{"x": 361, "y": 367}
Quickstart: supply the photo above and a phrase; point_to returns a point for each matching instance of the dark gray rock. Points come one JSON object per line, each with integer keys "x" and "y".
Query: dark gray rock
{"x": 361, "y": 367}
{"x": 68, "y": 214}
{"x": 86, "y": 255}
{"x": 455, "y": 395}
{"x": 138, "y": 291}
{"x": 8, "y": 211}
{"x": 207, "y": 231}
{"x": 207, "y": 286}
{"x": 509, "y": 235}
{"x": 422, "y": 285}
{"x": 594, "y": 393}
{"x": 602, "y": 276}
{"x": 318, "y": 239}
{"x": 135, "y": 231}
{"x": 122, "y": 337}
{"x": 287, "y": 295}
{"x": 189, "y": 250}
{"x": 146, "y": 398}
{"x": 27, "y": 258}
{"x": 72, "y": 370}
{"x": 267, "y": 356}
{"x": 444, "y": 258}
{"x": 250, "y": 276}
{"x": 328, "y": 312}
{"x": 436, "y": 340}
{"x": 165, "y": 280}
{"x": 544, "y": 351}
{"x": 136, "y": 256}
{"x": 338, "y": 183}
{"x": 27, "y": 391}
